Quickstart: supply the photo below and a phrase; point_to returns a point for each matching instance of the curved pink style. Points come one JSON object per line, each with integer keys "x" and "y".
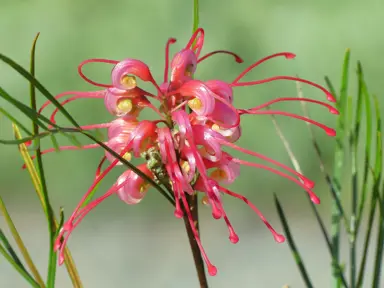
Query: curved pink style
{"x": 95, "y": 60}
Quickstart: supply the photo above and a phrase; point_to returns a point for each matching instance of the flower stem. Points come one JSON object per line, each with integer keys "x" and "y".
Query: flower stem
{"x": 195, "y": 15}
{"x": 199, "y": 263}
{"x": 193, "y": 199}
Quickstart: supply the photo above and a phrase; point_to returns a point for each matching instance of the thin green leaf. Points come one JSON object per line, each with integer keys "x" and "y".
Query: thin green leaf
{"x": 10, "y": 250}
{"x": 331, "y": 87}
{"x": 49, "y": 215}
{"x": 354, "y": 141}
{"x": 35, "y": 117}
{"x": 23, "y": 108}
{"x": 15, "y": 121}
{"x": 297, "y": 167}
{"x": 42, "y": 135}
{"x": 367, "y": 238}
{"x": 91, "y": 195}
{"x": 339, "y": 162}
{"x": 378, "y": 174}
{"x": 20, "y": 243}
{"x": 368, "y": 142}
{"x": 39, "y": 87}
{"x": 68, "y": 261}
{"x": 19, "y": 269}
{"x": 292, "y": 245}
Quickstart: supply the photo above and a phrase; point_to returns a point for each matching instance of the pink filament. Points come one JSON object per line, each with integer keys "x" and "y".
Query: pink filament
{"x": 237, "y": 57}
{"x": 157, "y": 111}
{"x": 328, "y": 130}
{"x": 278, "y": 237}
{"x": 96, "y": 126}
{"x": 169, "y": 42}
{"x": 308, "y": 183}
{"x": 95, "y": 94}
{"x": 82, "y": 213}
{"x": 311, "y": 194}
{"x": 266, "y": 80}
{"x": 199, "y": 43}
{"x": 232, "y": 234}
{"x": 80, "y": 67}
{"x": 287, "y": 55}
{"x": 90, "y": 146}
{"x": 283, "y": 99}
{"x": 68, "y": 226}
{"x": 212, "y": 270}
{"x": 234, "y": 110}
{"x": 53, "y": 115}
{"x": 97, "y": 180}
{"x": 98, "y": 170}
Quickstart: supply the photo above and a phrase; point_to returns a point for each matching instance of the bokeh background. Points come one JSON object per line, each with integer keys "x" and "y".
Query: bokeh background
{"x": 145, "y": 245}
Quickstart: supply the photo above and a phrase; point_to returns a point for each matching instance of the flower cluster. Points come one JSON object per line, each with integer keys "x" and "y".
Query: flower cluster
{"x": 183, "y": 149}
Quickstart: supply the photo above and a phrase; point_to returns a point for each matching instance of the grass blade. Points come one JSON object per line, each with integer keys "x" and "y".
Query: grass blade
{"x": 34, "y": 116}
{"x": 19, "y": 269}
{"x": 20, "y": 244}
{"x": 15, "y": 121}
{"x": 69, "y": 263}
{"x": 368, "y": 143}
{"x": 23, "y": 108}
{"x": 10, "y": 250}
{"x": 52, "y": 262}
{"x": 377, "y": 175}
{"x": 297, "y": 167}
{"x": 339, "y": 161}
{"x": 354, "y": 141}
{"x": 41, "y": 135}
{"x": 331, "y": 88}
{"x": 39, "y": 87}
{"x": 292, "y": 245}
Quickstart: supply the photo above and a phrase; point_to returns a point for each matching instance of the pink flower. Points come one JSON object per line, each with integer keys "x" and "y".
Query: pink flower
{"x": 183, "y": 149}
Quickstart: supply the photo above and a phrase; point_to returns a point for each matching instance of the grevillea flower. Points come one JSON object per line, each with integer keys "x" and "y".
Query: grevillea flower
{"x": 183, "y": 149}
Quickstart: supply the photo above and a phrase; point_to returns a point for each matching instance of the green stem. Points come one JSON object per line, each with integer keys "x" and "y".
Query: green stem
{"x": 193, "y": 199}
{"x": 195, "y": 15}
{"x": 199, "y": 263}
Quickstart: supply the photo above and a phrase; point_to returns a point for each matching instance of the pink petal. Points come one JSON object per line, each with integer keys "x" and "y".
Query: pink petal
{"x": 221, "y": 88}
{"x": 130, "y": 67}
{"x": 134, "y": 188}
{"x": 197, "y": 89}
{"x": 183, "y": 66}
{"x": 122, "y": 126}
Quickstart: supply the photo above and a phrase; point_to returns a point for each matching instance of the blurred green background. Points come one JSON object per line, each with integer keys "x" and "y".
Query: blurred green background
{"x": 145, "y": 245}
